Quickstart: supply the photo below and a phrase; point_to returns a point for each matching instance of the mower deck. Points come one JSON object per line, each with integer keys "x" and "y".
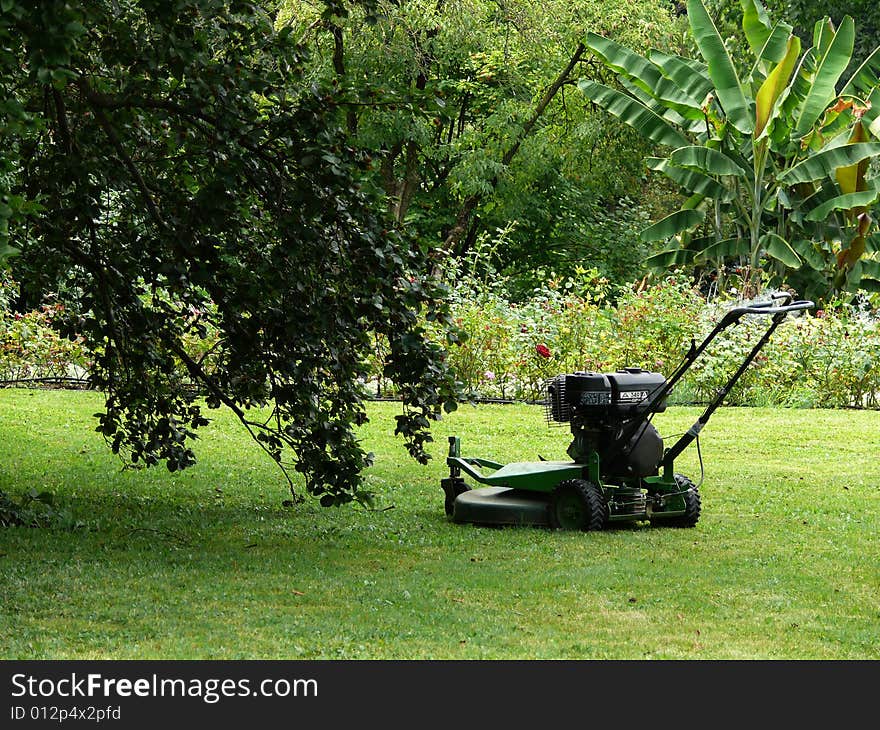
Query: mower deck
{"x": 501, "y": 506}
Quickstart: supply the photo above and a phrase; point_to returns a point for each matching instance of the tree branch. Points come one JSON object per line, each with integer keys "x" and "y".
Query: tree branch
{"x": 195, "y": 369}
{"x": 123, "y": 155}
{"x": 462, "y": 220}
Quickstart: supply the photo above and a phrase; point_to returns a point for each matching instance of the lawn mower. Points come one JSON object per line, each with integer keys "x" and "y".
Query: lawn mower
{"x": 619, "y": 470}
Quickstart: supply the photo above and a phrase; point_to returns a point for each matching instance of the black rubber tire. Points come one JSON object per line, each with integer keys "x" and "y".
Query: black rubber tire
{"x": 692, "y": 504}
{"x": 577, "y": 504}
{"x": 448, "y": 503}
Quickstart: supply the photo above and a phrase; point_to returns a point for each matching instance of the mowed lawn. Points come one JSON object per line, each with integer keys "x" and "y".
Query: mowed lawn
{"x": 208, "y": 563}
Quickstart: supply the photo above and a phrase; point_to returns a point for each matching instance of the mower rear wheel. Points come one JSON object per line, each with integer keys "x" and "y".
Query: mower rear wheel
{"x": 577, "y": 504}
{"x": 692, "y": 504}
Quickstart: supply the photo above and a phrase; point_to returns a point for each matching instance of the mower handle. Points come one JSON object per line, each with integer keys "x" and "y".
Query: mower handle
{"x": 768, "y": 307}
{"x": 731, "y": 317}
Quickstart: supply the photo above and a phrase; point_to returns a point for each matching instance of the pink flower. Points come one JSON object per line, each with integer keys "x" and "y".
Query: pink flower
{"x": 489, "y": 375}
{"x": 542, "y": 350}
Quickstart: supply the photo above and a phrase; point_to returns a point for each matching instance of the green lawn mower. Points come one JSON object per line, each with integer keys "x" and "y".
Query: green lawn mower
{"x": 619, "y": 470}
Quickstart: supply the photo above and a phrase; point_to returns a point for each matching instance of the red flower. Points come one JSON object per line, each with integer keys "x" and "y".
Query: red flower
{"x": 542, "y": 350}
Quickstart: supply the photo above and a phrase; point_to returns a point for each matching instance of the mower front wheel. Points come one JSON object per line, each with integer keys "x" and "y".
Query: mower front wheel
{"x": 452, "y": 487}
{"x": 577, "y": 504}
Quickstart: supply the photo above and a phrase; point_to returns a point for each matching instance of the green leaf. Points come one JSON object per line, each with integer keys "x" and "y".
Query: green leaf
{"x": 773, "y": 52}
{"x": 670, "y": 104}
{"x": 872, "y": 113}
{"x": 689, "y": 75}
{"x": 777, "y": 81}
{"x": 728, "y": 248}
{"x": 851, "y": 179}
{"x": 871, "y": 270}
{"x": 665, "y": 260}
{"x": 779, "y": 249}
{"x": 847, "y": 201}
{"x": 691, "y": 180}
{"x": 706, "y": 160}
{"x": 721, "y": 68}
{"x": 633, "y": 113}
{"x": 670, "y": 115}
{"x": 755, "y": 24}
{"x": 866, "y": 75}
{"x": 622, "y": 60}
{"x": 824, "y": 163}
{"x": 823, "y": 34}
{"x": 810, "y": 252}
{"x": 854, "y": 277}
{"x": 672, "y": 224}
{"x": 823, "y": 89}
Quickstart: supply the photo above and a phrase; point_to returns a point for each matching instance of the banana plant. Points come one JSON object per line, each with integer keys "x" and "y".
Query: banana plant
{"x": 774, "y": 156}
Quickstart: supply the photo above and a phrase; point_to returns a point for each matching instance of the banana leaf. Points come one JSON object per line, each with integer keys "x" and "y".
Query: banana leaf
{"x": 823, "y": 34}
{"x": 854, "y": 278}
{"x": 831, "y": 66}
{"x": 706, "y": 160}
{"x": 623, "y": 60}
{"x": 721, "y": 68}
{"x": 767, "y": 98}
{"x": 851, "y": 178}
{"x": 824, "y": 163}
{"x": 729, "y": 248}
{"x": 870, "y": 279}
{"x": 670, "y": 225}
{"x": 755, "y": 24}
{"x": 866, "y": 76}
{"x": 633, "y": 113}
{"x": 810, "y": 252}
{"x": 689, "y": 75}
{"x": 691, "y": 180}
{"x": 644, "y": 75}
{"x": 779, "y": 249}
{"x": 669, "y": 114}
{"x": 800, "y": 85}
{"x": 665, "y": 260}
{"x": 872, "y": 113}
{"x": 773, "y": 52}
{"x": 848, "y": 201}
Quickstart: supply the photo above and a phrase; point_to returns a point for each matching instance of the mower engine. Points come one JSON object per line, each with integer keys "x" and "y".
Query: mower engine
{"x": 609, "y": 415}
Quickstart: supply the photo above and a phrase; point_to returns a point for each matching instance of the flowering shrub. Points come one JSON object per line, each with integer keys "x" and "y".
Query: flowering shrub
{"x": 573, "y": 324}
{"x": 509, "y": 349}
{"x": 30, "y": 349}
{"x": 822, "y": 359}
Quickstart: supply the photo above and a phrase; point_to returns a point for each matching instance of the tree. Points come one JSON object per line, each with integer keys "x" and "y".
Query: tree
{"x": 170, "y": 170}
{"x": 775, "y": 164}
{"x": 468, "y": 110}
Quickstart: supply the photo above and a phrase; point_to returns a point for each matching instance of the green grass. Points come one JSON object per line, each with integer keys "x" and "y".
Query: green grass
{"x": 784, "y": 563}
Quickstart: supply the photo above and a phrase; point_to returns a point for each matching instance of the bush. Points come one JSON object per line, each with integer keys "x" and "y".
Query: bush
{"x": 508, "y": 349}
{"x": 823, "y": 359}
{"x": 30, "y": 348}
